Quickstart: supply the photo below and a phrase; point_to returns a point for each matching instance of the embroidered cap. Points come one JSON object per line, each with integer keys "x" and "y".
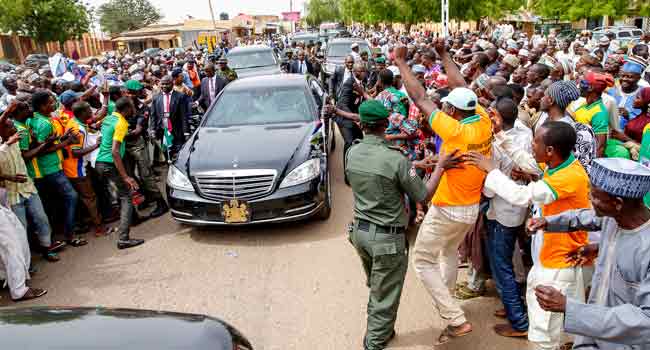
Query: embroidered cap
{"x": 620, "y": 177}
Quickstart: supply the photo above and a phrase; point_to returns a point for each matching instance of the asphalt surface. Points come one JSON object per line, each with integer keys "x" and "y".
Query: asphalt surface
{"x": 288, "y": 286}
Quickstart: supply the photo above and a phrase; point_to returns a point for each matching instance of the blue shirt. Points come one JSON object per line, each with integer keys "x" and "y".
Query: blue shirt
{"x": 625, "y": 100}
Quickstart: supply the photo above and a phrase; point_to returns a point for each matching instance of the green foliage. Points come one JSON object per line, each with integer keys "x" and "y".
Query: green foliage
{"x": 116, "y": 16}
{"x": 581, "y": 9}
{"x": 644, "y": 11}
{"x": 405, "y": 11}
{"x": 474, "y": 10}
{"x": 223, "y": 16}
{"x": 45, "y": 20}
{"x": 322, "y": 11}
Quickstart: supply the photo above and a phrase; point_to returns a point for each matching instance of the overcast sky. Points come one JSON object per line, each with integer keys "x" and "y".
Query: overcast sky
{"x": 174, "y": 10}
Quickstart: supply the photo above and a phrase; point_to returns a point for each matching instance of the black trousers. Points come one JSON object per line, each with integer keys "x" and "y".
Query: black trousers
{"x": 350, "y": 131}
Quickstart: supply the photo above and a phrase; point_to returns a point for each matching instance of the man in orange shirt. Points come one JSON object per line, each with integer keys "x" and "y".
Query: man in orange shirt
{"x": 462, "y": 125}
{"x": 564, "y": 186}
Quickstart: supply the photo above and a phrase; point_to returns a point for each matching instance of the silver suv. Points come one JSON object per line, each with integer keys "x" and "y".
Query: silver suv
{"x": 624, "y": 34}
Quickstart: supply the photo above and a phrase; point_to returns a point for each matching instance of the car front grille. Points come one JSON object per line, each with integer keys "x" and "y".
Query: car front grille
{"x": 228, "y": 184}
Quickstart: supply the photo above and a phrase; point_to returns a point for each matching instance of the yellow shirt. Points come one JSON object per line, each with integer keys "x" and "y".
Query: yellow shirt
{"x": 461, "y": 187}
{"x": 569, "y": 183}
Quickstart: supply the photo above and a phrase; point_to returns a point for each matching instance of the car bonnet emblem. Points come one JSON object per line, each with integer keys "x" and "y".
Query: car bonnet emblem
{"x": 235, "y": 162}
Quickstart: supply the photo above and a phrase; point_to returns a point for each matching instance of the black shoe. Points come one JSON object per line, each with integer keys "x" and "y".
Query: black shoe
{"x": 160, "y": 210}
{"x": 129, "y": 243}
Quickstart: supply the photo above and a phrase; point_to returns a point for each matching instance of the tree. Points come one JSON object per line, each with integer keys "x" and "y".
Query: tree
{"x": 475, "y": 10}
{"x": 580, "y": 9}
{"x": 223, "y": 16}
{"x": 116, "y": 16}
{"x": 323, "y": 11}
{"x": 45, "y": 20}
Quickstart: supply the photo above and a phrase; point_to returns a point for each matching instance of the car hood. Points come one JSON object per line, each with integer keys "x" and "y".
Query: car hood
{"x": 257, "y": 71}
{"x": 248, "y": 147}
{"x": 113, "y": 329}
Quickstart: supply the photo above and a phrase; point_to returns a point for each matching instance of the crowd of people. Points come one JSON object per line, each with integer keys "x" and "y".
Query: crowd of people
{"x": 88, "y": 147}
{"x": 490, "y": 135}
{"x": 509, "y": 135}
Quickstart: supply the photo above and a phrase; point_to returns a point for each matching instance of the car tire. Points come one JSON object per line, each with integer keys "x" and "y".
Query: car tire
{"x": 333, "y": 137}
{"x": 325, "y": 212}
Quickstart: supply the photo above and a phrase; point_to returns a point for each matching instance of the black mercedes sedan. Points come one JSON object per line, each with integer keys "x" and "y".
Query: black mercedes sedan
{"x": 258, "y": 156}
{"x": 97, "y": 328}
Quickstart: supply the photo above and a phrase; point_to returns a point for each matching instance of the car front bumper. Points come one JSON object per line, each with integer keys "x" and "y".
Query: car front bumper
{"x": 285, "y": 204}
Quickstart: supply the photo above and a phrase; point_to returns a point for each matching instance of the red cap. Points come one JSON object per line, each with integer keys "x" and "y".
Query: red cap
{"x": 599, "y": 81}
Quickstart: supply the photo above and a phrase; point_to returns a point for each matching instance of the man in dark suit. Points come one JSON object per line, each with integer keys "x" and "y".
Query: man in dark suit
{"x": 347, "y": 107}
{"x": 173, "y": 106}
{"x": 211, "y": 85}
{"x": 301, "y": 65}
{"x": 340, "y": 75}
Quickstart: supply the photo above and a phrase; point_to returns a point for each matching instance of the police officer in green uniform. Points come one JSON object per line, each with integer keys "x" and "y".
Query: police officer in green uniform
{"x": 380, "y": 176}
{"x": 138, "y": 154}
{"x": 225, "y": 71}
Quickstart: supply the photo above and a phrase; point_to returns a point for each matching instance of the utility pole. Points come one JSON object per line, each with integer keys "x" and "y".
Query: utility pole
{"x": 214, "y": 23}
{"x": 293, "y": 23}
{"x": 445, "y": 17}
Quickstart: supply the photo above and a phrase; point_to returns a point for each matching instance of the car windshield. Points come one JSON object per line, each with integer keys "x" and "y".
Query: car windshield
{"x": 306, "y": 39}
{"x": 257, "y": 106}
{"x": 251, "y": 59}
{"x": 343, "y": 49}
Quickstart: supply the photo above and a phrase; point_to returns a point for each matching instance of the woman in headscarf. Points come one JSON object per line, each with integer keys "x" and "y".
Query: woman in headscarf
{"x": 635, "y": 127}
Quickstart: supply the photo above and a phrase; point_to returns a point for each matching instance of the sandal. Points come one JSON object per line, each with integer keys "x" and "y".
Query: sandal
{"x": 464, "y": 293}
{"x": 56, "y": 246}
{"x": 51, "y": 257}
{"x": 450, "y": 333}
{"x": 32, "y": 293}
{"x": 566, "y": 346}
{"x": 101, "y": 231}
{"x": 460, "y": 285}
{"x": 77, "y": 242}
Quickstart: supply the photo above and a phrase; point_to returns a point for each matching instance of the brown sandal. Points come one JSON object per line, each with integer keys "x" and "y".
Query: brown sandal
{"x": 32, "y": 293}
{"x": 450, "y": 333}
{"x": 501, "y": 313}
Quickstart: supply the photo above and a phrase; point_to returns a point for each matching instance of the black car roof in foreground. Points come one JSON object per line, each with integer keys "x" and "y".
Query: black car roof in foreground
{"x": 92, "y": 328}
{"x": 271, "y": 81}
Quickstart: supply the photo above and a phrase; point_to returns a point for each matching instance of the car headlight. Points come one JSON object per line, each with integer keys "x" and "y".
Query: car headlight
{"x": 304, "y": 172}
{"x": 177, "y": 180}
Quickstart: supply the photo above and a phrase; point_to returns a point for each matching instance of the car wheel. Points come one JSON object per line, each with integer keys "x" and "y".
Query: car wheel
{"x": 326, "y": 210}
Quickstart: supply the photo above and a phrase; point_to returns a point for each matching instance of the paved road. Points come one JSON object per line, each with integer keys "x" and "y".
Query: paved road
{"x": 291, "y": 286}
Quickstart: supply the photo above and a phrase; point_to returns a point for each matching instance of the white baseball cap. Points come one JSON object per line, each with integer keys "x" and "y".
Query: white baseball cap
{"x": 462, "y": 98}
{"x": 354, "y": 45}
{"x": 394, "y": 70}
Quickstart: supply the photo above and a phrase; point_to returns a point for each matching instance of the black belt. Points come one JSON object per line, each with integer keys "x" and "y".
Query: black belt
{"x": 365, "y": 225}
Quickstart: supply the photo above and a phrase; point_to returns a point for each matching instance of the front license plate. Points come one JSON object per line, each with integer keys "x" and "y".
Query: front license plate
{"x": 236, "y": 211}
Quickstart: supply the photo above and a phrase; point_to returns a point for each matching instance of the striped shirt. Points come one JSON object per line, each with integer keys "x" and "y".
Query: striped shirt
{"x": 12, "y": 164}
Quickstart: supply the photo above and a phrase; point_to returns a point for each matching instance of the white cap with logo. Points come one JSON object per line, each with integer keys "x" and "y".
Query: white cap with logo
{"x": 462, "y": 98}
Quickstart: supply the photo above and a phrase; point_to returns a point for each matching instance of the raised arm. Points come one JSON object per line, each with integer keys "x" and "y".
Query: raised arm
{"x": 413, "y": 86}
{"x": 454, "y": 77}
